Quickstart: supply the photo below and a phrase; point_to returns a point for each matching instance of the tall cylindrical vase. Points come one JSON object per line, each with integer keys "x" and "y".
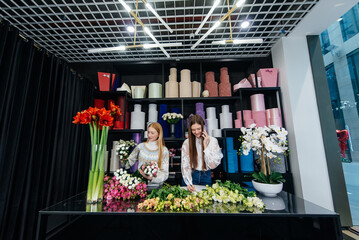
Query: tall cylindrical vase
{"x": 97, "y": 171}
{"x": 96, "y": 177}
{"x": 172, "y": 130}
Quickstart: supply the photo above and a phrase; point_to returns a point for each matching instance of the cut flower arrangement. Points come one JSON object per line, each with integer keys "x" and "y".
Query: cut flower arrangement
{"x": 123, "y": 149}
{"x": 171, "y": 198}
{"x": 172, "y": 117}
{"x": 265, "y": 141}
{"x": 150, "y": 169}
{"x": 123, "y": 186}
{"x": 99, "y": 121}
{"x": 174, "y": 198}
{"x": 230, "y": 192}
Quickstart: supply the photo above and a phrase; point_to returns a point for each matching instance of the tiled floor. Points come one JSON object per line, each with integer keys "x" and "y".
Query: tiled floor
{"x": 353, "y": 195}
{"x": 351, "y": 174}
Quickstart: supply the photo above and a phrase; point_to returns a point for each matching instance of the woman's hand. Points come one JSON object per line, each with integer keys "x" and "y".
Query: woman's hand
{"x": 144, "y": 175}
{"x": 206, "y": 138}
{"x": 191, "y": 188}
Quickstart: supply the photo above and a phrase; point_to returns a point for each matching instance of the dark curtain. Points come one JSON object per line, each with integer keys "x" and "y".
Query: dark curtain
{"x": 44, "y": 158}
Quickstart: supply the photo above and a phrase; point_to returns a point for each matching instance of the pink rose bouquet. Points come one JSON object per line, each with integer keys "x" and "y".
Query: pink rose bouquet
{"x": 150, "y": 169}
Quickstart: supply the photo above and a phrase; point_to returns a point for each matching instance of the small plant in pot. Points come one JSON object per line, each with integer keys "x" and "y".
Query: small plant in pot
{"x": 265, "y": 141}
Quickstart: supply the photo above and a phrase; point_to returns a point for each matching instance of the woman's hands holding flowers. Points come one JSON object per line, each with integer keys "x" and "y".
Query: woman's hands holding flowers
{"x": 144, "y": 175}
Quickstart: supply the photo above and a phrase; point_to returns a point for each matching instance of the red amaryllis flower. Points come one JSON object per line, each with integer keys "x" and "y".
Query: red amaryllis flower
{"x": 106, "y": 120}
{"x": 77, "y": 118}
{"x": 115, "y": 109}
{"x": 92, "y": 111}
{"x": 85, "y": 117}
{"x": 102, "y": 111}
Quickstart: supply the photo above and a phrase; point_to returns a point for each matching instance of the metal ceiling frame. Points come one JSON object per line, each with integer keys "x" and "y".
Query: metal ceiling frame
{"x": 68, "y": 28}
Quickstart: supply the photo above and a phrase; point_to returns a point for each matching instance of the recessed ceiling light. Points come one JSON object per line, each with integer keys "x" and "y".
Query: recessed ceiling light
{"x": 245, "y": 24}
{"x": 240, "y": 3}
{"x": 130, "y": 29}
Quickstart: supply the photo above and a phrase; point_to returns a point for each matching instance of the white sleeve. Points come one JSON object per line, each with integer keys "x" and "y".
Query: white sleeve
{"x": 186, "y": 164}
{"x": 162, "y": 173}
{"x": 212, "y": 154}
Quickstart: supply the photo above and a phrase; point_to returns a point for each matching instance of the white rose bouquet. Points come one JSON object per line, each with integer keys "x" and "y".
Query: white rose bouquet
{"x": 172, "y": 117}
{"x": 123, "y": 149}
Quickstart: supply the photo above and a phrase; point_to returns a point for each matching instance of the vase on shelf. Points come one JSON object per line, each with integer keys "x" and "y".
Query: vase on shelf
{"x": 172, "y": 130}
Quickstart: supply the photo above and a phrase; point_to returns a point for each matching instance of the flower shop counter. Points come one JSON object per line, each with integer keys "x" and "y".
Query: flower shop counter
{"x": 285, "y": 217}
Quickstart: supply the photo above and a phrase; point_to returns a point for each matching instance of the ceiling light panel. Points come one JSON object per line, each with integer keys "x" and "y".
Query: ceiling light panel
{"x": 69, "y": 28}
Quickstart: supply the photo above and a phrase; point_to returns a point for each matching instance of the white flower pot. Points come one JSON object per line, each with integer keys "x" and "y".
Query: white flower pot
{"x": 268, "y": 190}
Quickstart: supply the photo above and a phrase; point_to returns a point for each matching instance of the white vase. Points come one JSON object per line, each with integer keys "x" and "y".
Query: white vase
{"x": 268, "y": 190}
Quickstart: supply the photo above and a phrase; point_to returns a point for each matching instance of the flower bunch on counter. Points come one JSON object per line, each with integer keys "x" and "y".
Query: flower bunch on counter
{"x": 123, "y": 149}
{"x": 171, "y": 198}
{"x": 123, "y": 186}
{"x": 230, "y": 192}
{"x": 172, "y": 117}
{"x": 227, "y": 197}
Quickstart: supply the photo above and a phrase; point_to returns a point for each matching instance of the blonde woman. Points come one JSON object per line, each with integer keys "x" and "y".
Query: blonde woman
{"x": 153, "y": 150}
{"x": 200, "y": 154}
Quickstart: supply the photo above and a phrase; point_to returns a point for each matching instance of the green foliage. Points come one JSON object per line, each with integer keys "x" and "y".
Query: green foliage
{"x": 166, "y": 190}
{"x": 273, "y": 178}
{"x": 235, "y": 186}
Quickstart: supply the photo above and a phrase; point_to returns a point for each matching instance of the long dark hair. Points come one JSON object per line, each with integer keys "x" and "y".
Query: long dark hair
{"x": 193, "y": 156}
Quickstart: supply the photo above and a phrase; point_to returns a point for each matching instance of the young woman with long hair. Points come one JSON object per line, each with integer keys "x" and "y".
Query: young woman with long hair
{"x": 196, "y": 169}
{"x": 153, "y": 150}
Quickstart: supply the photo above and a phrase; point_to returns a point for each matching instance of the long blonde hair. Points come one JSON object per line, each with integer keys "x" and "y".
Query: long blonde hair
{"x": 160, "y": 141}
{"x": 193, "y": 156}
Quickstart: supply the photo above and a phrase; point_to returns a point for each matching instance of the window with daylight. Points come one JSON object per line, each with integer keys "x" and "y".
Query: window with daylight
{"x": 335, "y": 97}
{"x": 350, "y": 23}
{"x": 353, "y": 65}
{"x": 325, "y": 42}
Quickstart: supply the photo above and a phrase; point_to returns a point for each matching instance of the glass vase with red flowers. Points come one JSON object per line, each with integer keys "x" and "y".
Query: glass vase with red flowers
{"x": 99, "y": 121}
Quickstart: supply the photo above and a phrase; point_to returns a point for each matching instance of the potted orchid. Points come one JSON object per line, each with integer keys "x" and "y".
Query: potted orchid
{"x": 266, "y": 142}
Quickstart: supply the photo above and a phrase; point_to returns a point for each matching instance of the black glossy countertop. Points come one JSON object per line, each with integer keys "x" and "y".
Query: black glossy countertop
{"x": 285, "y": 204}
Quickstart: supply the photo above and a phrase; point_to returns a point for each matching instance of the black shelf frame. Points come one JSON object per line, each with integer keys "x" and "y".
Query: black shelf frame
{"x": 186, "y": 104}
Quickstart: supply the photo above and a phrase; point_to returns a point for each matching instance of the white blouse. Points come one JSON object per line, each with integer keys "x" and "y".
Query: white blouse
{"x": 212, "y": 158}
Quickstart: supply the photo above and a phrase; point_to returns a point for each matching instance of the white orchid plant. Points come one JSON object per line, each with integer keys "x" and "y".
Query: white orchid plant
{"x": 172, "y": 117}
{"x": 265, "y": 141}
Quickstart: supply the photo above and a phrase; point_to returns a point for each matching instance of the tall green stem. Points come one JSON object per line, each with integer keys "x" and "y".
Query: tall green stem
{"x": 263, "y": 162}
